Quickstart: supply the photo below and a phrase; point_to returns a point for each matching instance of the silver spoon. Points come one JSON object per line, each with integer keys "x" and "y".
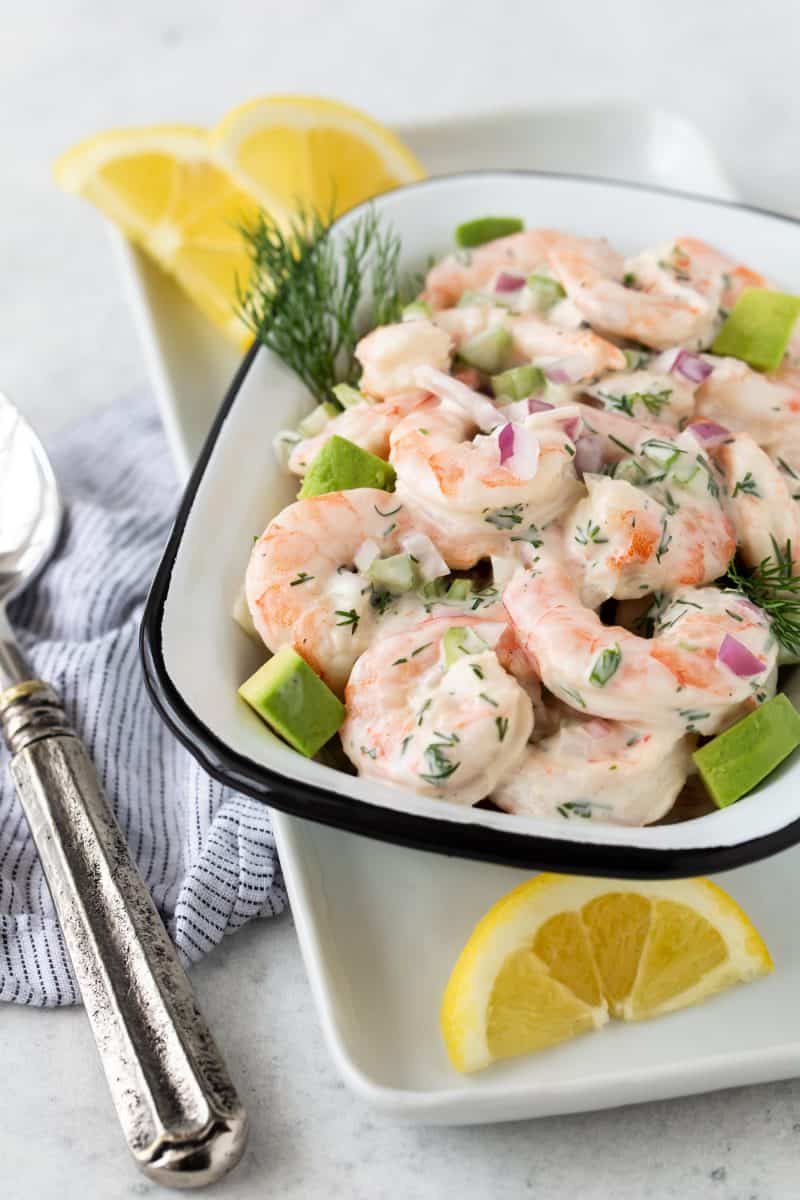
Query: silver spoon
{"x": 183, "y": 1122}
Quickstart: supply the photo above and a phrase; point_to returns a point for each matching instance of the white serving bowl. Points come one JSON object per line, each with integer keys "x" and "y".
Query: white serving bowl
{"x": 195, "y": 657}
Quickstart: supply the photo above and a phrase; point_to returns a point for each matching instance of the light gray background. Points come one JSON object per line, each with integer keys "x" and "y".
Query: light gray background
{"x": 67, "y": 345}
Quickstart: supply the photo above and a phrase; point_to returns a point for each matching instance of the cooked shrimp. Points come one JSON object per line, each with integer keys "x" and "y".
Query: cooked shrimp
{"x": 533, "y": 339}
{"x": 302, "y": 586}
{"x": 761, "y": 500}
{"x": 592, "y": 274}
{"x": 366, "y": 424}
{"x": 475, "y": 270}
{"x": 450, "y": 478}
{"x": 390, "y": 354}
{"x": 767, "y": 406}
{"x": 675, "y": 680}
{"x": 416, "y": 722}
{"x": 609, "y": 771}
{"x": 699, "y": 266}
{"x": 660, "y": 526}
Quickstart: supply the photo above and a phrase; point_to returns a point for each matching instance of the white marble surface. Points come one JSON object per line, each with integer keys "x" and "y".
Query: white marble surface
{"x": 67, "y": 346}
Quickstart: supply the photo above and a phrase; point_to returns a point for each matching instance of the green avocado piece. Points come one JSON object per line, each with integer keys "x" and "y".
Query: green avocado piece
{"x": 486, "y": 229}
{"x": 293, "y": 700}
{"x": 341, "y": 466}
{"x": 460, "y": 589}
{"x": 735, "y": 761}
{"x": 518, "y": 383}
{"x": 488, "y": 351}
{"x": 758, "y": 328}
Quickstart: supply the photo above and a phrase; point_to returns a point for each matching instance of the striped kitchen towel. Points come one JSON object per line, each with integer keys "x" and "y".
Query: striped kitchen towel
{"x": 208, "y": 856}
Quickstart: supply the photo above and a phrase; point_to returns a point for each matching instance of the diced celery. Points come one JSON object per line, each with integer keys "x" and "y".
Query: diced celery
{"x": 417, "y": 310}
{"x": 636, "y": 359}
{"x": 546, "y": 292}
{"x": 460, "y": 589}
{"x": 434, "y": 589}
{"x": 488, "y": 351}
{"x": 518, "y": 383}
{"x": 486, "y": 229}
{"x": 396, "y": 574}
{"x": 317, "y": 419}
{"x": 348, "y": 396}
{"x": 471, "y": 299}
{"x": 459, "y": 641}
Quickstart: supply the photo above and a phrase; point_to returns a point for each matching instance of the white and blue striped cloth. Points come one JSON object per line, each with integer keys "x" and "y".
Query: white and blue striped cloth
{"x": 207, "y": 855}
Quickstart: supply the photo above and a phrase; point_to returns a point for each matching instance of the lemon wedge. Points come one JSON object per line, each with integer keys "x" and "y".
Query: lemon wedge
{"x": 163, "y": 188}
{"x": 182, "y": 192}
{"x": 310, "y": 152}
{"x": 560, "y": 954}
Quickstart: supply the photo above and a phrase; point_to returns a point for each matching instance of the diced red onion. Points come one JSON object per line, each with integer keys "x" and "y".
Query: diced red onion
{"x": 535, "y": 405}
{"x": 709, "y": 433}
{"x": 572, "y": 428}
{"x": 430, "y": 563}
{"x": 738, "y": 658}
{"x": 588, "y": 455}
{"x": 557, "y": 374}
{"x": 743, "y": 602}
{"x": 506, "y": 282}
{"x": 505, "y": 441}
{"x": 519, "y": 450}
{"x": 366, "y": 554}
{"x": 597, "y": 728}
{"x": 480, "y": 408}
{"x": 691, "y": 366}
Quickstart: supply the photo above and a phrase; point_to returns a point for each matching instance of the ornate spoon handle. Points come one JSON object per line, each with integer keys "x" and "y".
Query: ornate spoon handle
{"x": 183, "y": 1122}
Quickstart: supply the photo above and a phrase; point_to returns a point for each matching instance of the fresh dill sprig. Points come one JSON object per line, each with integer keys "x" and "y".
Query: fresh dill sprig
{"x": 773, "y": 587}
{"x": 309, "y": 299}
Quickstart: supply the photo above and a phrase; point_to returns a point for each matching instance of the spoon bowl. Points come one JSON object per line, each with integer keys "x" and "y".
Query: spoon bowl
{"x": 30, "y": 505}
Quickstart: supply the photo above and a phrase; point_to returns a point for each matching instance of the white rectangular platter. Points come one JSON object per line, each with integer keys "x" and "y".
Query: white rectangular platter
{"x": 380, "y": 926}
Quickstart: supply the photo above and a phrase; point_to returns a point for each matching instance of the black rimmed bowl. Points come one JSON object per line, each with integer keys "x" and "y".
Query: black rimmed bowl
{"x": 195, "y": 656}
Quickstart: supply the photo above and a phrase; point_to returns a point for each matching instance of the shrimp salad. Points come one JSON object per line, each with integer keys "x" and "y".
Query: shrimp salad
{"x": 537, "y": 606}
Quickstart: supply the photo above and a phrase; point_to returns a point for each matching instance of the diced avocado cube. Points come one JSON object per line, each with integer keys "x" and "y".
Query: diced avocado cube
{"x": 758, "y": 328}
{"x": 486, "y": 229}
{"x": 488, "y": 351}
{"x": 460, "y": 589}
{"x": 294, "y": 701}
{"x": 396, "y": 574}
{"x": 341, "y": 466}
{"x": 348, "y": 396}
{"x": 735, "y": 761}
{"x": 546, "y": 292}
{"x": 417, "y": 310}
{"x": 518, "y": 383}
{"x": 461, "y": 640}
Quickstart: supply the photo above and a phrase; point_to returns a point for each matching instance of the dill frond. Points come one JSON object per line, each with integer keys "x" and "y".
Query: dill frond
{"x": 773, "y": 587}
{"x": 309, "y": 300}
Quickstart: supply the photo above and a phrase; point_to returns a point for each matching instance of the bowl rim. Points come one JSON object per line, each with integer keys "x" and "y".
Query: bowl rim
{"x": 306, "y": 800}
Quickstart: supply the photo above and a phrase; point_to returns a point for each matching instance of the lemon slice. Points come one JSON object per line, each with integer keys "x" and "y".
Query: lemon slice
{"x": 304, "y": 151}
{"x": 558, "y": 955}
{"x": 162, "y": 186}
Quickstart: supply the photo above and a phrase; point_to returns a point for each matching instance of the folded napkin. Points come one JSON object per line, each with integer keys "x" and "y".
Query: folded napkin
{"x": 207, "y": 855}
